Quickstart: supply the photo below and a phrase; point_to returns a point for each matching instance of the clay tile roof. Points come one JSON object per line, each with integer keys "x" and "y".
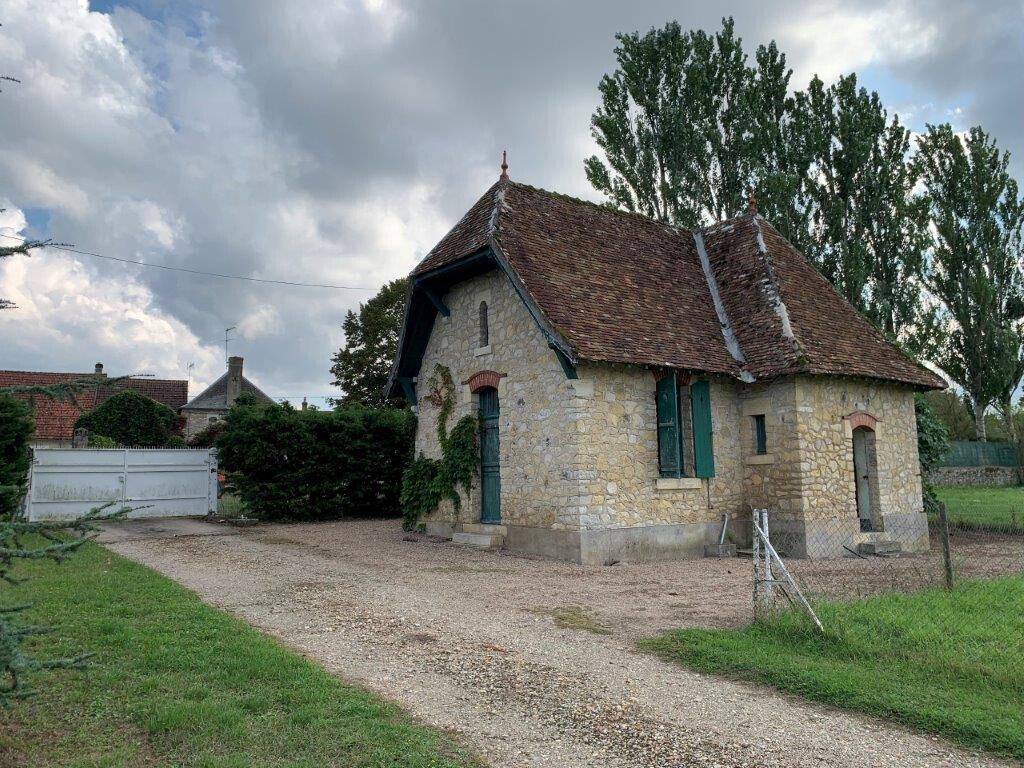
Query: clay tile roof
{"x": 619, "y": 287}
{"x": 55, "y": 419}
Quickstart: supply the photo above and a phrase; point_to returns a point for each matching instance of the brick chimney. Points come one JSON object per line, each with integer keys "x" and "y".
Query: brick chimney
{"x": 99, "y": 369}
{"x": 234, "y": 379}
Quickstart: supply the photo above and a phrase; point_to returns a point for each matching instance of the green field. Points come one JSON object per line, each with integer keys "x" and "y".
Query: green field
{"x": 177, "y": 683}
{"x": 994, "y": 508}
{"x": 944, "y": 662}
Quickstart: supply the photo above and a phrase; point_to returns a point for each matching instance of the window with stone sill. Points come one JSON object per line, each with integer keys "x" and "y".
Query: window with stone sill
{"x": 760, "y": 435}
{"x": 484, "y": 331}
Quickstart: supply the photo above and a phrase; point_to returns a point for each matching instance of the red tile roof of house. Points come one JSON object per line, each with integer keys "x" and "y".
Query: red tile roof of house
{"x": 55, "y": 419}
{"x": 735, "y": 298}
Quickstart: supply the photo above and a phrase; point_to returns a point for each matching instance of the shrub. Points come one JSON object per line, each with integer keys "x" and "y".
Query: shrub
{"x": 316, "y": 465}
{"x": 16, "y": 430}
{"x": 130, "y": 418}
{"x": 101, "y": 441}
{"x": 207, "y": 436}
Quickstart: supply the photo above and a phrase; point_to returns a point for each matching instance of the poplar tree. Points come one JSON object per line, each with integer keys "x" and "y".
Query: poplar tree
{"x": 868, "y": 231}
{"x": 688, "y": 128}
{"x": 975, "y": 269}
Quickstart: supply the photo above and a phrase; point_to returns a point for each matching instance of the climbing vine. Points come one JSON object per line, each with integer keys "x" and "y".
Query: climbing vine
{"x": 427, "y": 481}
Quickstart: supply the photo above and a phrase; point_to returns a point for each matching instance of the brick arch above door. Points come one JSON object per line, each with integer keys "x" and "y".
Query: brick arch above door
{"x": 861, "y": 419}
{"x": 483, "y": 380}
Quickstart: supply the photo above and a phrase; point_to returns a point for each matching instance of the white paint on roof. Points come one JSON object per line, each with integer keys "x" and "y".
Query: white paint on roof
{"x": 499, "y": 204}
{"x": 731, "y": 343}
{"x": 771, "y": 288}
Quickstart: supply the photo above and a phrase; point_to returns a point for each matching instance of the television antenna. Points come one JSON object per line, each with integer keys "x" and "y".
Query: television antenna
{"x": 227, "y": 338}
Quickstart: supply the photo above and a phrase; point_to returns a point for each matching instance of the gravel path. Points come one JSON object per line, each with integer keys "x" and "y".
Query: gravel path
{"x": 466, "y": 640}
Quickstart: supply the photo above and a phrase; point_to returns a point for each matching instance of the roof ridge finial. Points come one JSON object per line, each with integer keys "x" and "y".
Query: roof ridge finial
{"x": 504, "y": 165}
{"x": 751, "y": 202}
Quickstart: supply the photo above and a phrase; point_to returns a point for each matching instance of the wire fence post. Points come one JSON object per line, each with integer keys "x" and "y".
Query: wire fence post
{"x": 769, "y": 586}
{"x": 947, "y": 557}
{"x": 756, "y": 557}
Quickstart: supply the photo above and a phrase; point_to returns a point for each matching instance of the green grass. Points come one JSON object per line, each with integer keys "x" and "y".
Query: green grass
{"x": 944, "y": 662}
{"x": 229, "y": 505}
{"x": 991, "y": 508}
{"x": 177, "y": 683}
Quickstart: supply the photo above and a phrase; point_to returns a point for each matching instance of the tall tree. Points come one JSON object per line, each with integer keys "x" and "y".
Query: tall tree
{"x": 361, "y": 368}
{"x": 687, "y": 126}
{"x": 975, "y": 268}
{"x": 868, "y": 230}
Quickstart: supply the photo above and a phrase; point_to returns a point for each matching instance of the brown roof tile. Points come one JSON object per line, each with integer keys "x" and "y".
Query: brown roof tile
{"x": 619, "y": 287}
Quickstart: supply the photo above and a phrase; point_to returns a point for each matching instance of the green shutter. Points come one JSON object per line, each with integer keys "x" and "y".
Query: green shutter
{"x": 703, "y": 448}
{"x": 669, "y": 459}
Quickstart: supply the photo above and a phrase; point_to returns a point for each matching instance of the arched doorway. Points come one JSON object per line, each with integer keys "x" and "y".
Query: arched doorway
{"x": 865, "y": 469}
{"x": 490, "y": 468}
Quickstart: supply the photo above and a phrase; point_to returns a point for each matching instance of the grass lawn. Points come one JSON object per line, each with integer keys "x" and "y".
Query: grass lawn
{"x": 177, "y": 683}
{"x": 994, "y": 508}
{"x": 945, "y": 662}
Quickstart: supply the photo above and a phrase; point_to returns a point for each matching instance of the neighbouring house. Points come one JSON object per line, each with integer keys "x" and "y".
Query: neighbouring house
{"x": 55, "y": 419}
{"x": 213, "y": 403}
{"x": 636, "y": 381}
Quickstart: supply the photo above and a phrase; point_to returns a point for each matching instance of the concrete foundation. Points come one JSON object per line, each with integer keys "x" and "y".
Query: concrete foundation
{"x": 604, "y": 546}
{"x": 910, "y": 530}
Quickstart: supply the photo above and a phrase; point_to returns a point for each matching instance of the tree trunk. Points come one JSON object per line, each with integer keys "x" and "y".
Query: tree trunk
{"x": 979, "y": 421}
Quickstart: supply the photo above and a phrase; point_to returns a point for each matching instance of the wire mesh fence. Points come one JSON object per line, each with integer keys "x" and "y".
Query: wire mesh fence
{"x": 830, "y": 561}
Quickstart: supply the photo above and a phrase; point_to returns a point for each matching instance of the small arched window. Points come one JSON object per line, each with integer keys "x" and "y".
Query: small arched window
{"x": 484, "y": 334}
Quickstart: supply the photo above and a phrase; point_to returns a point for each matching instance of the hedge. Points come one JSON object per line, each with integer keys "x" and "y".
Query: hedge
{"x": 316, "y": 465}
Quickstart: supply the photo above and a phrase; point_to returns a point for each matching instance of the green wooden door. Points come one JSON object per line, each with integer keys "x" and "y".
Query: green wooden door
{"x": 490, "y": 470}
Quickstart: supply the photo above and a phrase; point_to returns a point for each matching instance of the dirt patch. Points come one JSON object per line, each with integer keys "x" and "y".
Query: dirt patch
{"x": 572, "y": 617}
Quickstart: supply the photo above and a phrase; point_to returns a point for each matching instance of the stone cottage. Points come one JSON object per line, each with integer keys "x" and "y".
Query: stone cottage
{"x": 213, "y": 403}
{"x": 639, "y": 383}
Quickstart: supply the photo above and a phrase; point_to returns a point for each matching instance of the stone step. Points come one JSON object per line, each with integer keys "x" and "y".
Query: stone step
{"x": 879, "y": 546}
{"x": 478, "y": 540}
{"x": 491, "y": 529}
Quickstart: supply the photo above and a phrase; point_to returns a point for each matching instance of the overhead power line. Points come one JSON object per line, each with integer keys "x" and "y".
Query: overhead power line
{"x": 72, "y": 249}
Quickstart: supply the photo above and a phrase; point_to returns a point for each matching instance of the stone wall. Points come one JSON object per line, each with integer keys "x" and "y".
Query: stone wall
{"x": 826, "y": 445}
{"x": 539, "y": 415}
{"x": 619, "y": 451}
{"x": 975, "y": 476}
{"x": 196, "y": 421}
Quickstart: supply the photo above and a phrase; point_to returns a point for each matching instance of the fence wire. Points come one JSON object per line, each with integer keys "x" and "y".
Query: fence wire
{"x": 842, "y": 560}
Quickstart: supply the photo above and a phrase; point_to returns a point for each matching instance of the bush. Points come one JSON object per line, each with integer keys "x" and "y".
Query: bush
{"x": 16, "y": 430}
{"x": 207, "y": 436}
{"x": 101, "y": 441}
{"x": 132, "y": 419}
{"x": 316, "y": 465}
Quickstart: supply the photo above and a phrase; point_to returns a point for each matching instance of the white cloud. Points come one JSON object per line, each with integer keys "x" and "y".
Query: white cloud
{"x": 831, "y": 39}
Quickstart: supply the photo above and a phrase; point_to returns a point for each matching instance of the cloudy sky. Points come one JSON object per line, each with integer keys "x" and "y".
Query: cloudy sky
{"x": 336, "y": 141}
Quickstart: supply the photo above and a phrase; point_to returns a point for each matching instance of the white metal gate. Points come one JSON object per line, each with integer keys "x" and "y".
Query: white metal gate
{"x": 168, "y": 482}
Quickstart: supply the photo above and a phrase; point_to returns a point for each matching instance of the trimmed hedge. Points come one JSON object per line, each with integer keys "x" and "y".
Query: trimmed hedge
{"x": 316, "y": 465}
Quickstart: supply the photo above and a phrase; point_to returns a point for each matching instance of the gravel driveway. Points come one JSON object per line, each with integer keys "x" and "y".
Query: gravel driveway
{"x": 468, "y": 641}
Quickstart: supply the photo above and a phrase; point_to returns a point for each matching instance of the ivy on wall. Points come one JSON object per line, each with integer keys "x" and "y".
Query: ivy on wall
{"x": 427, "y": 481}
